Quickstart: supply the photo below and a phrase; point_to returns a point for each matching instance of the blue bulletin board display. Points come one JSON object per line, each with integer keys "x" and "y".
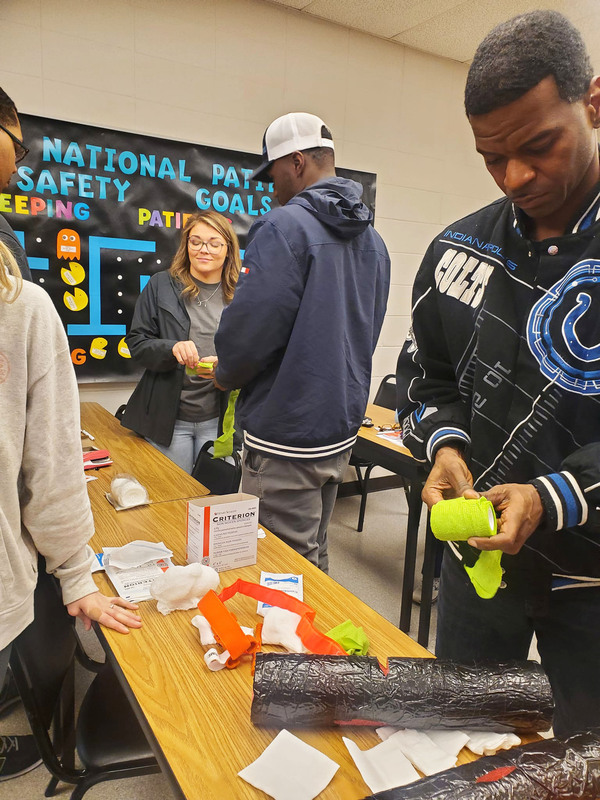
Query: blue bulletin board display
{"x": 100, "y": 211}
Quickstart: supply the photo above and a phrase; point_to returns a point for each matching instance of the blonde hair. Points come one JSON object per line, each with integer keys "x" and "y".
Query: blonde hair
{"x": 180, "y": 266}
{"x": 10, "y": 275}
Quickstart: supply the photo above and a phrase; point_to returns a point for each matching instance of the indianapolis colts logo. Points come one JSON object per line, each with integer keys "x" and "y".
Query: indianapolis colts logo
{"x": 563, "y": 330}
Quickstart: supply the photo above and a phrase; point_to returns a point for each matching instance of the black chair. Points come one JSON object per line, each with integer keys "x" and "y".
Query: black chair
{"x": 386, "y": 397}
{"x": 218, "y": 475}
{"x": 120, "y": 411}
{"x": 106, "y": 736}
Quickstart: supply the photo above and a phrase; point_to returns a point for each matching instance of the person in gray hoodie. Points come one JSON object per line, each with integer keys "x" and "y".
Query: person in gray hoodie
{"x": 299, "y": 335}
{"x": 44, "y": 506}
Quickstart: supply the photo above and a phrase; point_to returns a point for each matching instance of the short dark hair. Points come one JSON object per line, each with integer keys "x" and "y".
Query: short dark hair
{"x": 323, "y": 157}
{"x": 8, "y": 110}
{"x": 516, "y": 55}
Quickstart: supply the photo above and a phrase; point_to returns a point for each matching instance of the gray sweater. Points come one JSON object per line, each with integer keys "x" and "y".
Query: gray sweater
{"x": 44, "y": 506}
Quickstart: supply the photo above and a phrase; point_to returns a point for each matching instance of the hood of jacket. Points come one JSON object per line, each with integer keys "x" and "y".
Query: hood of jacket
{"x": 337, "y": 203}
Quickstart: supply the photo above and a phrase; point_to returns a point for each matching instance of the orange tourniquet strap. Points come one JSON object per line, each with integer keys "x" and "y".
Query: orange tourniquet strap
{"x": 226, "y": 628}
{"x": 312, "y": 639}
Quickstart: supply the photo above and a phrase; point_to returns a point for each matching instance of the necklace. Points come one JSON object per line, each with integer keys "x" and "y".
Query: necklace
{"x": 205, "y": 301}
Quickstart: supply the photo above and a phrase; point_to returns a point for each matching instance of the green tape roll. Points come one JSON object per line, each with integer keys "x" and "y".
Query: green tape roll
{"x": 199, "y": 365}
{"x": 459, "y": 519}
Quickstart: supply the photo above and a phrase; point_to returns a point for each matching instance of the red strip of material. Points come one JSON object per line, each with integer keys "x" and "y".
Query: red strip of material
{"x": 495, "y": 775}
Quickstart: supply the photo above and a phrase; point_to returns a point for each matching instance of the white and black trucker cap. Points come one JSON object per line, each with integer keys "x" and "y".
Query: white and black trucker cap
{"x": 285, "y": 135}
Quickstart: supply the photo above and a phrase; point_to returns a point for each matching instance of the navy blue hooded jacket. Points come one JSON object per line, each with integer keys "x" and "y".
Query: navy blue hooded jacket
{"x": 299, "y": 335}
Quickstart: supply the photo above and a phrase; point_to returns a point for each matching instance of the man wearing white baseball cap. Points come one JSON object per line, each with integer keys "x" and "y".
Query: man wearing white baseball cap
{"x": 297, "y": 131}
{"x": 299, "y": 335}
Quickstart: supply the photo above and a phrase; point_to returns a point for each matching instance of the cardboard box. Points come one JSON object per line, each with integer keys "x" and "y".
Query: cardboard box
{"x": 222, "y": 530}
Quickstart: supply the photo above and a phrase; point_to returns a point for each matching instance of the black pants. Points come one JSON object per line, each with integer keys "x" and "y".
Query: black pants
{"x": 567, "y": 627}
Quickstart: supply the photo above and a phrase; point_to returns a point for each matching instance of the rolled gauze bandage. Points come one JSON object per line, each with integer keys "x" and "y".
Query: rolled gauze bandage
{"x": 315, "y": 691}
{"x": 127, "y": 491}
{"x": 459, "y": 519}
{"x": 545, "y": 770}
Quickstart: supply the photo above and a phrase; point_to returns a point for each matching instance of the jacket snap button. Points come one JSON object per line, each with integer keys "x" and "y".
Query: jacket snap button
{"x": 552, "y": 250}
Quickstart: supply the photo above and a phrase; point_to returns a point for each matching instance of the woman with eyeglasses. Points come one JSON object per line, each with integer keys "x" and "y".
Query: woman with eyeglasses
{"x": 175, "y": 320}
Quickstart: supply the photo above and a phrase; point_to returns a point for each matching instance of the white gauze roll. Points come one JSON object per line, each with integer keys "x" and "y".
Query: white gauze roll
{"x": 127, "y": 491}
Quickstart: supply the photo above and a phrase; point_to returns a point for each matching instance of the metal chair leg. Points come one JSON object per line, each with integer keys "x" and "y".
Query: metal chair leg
{"x": 363, "y": 498}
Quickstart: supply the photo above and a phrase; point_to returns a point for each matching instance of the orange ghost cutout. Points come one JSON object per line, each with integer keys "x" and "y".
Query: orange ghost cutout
{"x": 68, "y": 244}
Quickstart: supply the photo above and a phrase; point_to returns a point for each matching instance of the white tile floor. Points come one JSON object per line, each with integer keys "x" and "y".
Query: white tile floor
{"x": 369, "y": 564}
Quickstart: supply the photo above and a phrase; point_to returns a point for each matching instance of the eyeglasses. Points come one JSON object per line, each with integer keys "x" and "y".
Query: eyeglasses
{"x": 20, "y": 149}
{"x": 213, "y": 246}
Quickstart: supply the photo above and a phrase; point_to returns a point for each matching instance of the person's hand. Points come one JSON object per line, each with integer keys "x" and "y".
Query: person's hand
{"x": 208, "y": 373}
{"x": 186, "y": 354}
{"x": 521, "y": 512}
{"x": 112, "y": 612}
{"x": 449, "y": 477}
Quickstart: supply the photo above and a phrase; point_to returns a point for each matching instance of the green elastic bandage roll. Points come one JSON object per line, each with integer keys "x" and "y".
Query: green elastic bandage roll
{"x": 459, "y": 519}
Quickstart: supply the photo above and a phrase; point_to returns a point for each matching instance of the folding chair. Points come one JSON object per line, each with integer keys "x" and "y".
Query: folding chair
{"x": 107, "y": 736}
{"x": 386, "y": 397}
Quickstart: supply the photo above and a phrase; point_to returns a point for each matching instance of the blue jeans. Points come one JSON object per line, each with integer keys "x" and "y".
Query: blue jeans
{"x": 566, "y": 624}
{"x": 188, "y": 438}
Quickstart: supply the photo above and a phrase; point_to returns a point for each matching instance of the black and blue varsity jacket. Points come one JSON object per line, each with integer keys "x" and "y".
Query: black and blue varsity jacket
{"x": 503, "y": 359}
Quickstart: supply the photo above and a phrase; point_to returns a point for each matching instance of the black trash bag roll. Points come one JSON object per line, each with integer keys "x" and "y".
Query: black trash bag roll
{"x": 313, "y": 691}
{"x": 566, "y": 769}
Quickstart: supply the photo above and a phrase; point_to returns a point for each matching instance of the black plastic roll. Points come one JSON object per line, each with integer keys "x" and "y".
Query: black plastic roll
{"x": 293, "y": 690}
{"x": 566, "y": 769}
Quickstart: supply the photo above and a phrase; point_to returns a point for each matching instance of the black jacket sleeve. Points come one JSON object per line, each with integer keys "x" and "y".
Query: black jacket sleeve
{"x": 148, "y": 342}
{"x": 429, "y": 404}
{"x": 571, "y": 497}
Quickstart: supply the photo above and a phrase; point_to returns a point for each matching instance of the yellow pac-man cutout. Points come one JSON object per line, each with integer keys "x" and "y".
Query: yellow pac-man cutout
{"x": 97, "y": 347}
{"x": 68, "y": 244}
{"x": 122, "y": 349}
{"x": 74, "y": 275}
{"x": 76, "y": 301}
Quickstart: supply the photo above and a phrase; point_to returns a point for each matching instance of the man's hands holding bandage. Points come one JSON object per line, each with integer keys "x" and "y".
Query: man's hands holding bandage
{"x": 518, "y": 506}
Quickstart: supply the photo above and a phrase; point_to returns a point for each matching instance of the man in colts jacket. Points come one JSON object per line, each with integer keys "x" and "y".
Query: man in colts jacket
{"x": 299, "y": 335}
{"x": 500, "y": 379}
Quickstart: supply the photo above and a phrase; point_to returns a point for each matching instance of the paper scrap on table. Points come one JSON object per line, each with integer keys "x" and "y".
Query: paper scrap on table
{"x": 290, "y": 769}
{"x": 383, "y": 766}
{"x": 133, "y": 582}
{"x": 452, "y": 741}
{"x": 97, "y": 564}
{"x": 393, "y": 437}
{"x": 421, "y": 751}
{"x": 136, "y": 553}
{"x": 261, "y": 534}
{"x": 484, "y": 743}
{"x": 285, "y": 582}
{"x": 430, "y": 751}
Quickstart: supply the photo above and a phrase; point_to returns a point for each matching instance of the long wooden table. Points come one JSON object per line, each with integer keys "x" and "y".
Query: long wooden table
{"x": 400, "y": 461}
{"x": 132, "y": 454}
{"x": 198, "y": 722}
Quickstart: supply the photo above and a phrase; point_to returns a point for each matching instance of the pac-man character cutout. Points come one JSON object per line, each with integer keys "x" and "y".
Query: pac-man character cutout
{"x": 76, "y": 301}
{"x": 74, "y": 275}
{"x": 68, "y": 244}
{"x": 97, "y": 347}
{"x": 123, "y": 350}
